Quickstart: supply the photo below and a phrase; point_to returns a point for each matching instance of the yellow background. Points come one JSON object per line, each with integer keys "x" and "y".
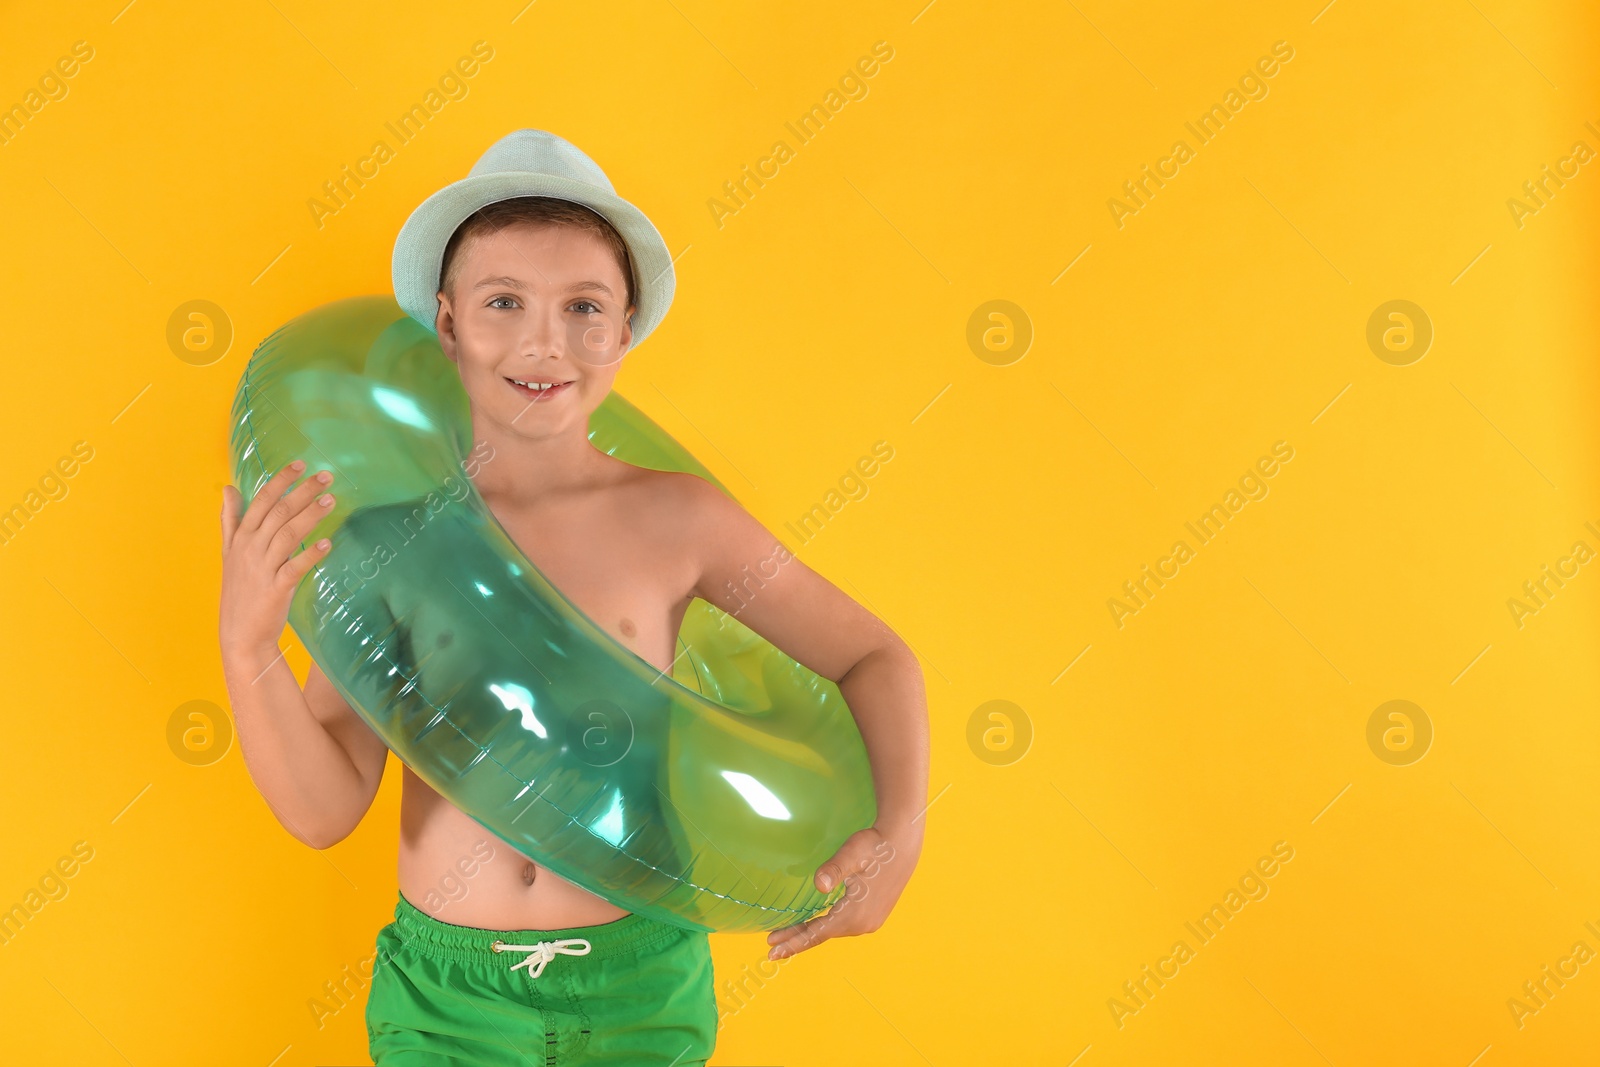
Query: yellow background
{"x": 830, "y": 312}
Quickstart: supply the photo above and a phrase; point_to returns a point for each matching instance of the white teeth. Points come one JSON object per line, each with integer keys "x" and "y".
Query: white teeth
{"x": 539, "y": 386}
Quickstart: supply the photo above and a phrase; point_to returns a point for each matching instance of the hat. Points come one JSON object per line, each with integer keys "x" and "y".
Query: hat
{"x": 529, "y": 163}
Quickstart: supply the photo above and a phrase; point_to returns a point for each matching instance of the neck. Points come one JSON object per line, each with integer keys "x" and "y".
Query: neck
{"x": 525, "y": 470}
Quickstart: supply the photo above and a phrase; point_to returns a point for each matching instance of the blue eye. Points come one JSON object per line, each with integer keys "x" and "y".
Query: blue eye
{"x": 497, "y": 299}
{"x": 594, "y": 308}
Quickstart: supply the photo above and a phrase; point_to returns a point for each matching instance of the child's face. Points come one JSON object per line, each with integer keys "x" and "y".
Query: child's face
{"x": 536, "y": 303}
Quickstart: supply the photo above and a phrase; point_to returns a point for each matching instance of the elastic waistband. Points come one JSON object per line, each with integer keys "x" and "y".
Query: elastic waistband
{"x": 470, "y": 944}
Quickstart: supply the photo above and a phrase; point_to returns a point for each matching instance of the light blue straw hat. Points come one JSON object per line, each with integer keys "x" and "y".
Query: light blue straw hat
{"x": 529, "y": 163}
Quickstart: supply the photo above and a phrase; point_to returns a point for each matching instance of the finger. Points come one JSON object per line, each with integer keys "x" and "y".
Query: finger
{"x": 293, "y": 532}
{"x": 787, "y": 946}
{"x": 796, "y": 937}
{"x": 852, "y": 858}
{"x": 784, "y": 933}
{"x": 807, "y": 932}
{"x": 809, "y": 938}
{"x": 230, "y": 514}
{"x": 291, "y": 572}
{"x": 288, "y": 508}
{"x": 269, "y": 493}
{"x": 829, "y": 874}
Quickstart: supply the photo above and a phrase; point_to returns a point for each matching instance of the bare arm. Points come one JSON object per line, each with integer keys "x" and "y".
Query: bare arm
{"x": 314, "y": 761}
{"x": 748, "y": 573}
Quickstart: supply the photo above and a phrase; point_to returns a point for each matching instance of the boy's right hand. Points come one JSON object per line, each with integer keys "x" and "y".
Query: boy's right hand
{"x": 260, "y": 569}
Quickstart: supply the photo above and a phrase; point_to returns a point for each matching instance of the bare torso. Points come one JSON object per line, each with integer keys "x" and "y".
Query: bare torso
{"x": 613, "y": 553}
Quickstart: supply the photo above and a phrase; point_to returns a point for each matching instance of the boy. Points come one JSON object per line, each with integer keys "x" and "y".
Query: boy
{"x": 538, "y": 280}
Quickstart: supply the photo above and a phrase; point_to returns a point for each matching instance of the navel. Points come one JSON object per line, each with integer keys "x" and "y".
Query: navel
{"x": 529, "y": 871}
{"x": 628, "y": 628}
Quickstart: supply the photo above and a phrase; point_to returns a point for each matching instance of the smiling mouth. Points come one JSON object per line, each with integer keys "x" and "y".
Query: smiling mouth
{"x": 539, "y": 392}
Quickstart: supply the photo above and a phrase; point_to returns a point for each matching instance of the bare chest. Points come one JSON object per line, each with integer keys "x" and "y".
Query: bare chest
{"x": 628, "y": 577}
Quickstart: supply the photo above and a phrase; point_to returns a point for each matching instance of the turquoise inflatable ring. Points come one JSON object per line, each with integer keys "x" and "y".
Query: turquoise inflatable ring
{"x": 706, "y": 798}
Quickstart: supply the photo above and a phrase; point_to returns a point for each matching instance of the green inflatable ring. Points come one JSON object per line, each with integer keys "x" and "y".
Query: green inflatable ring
{"x": 706, "y": 798}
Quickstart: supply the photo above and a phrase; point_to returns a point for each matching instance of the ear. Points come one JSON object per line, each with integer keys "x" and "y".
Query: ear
{"x": 445, "y": 326}
{"x": 627, "y": 327}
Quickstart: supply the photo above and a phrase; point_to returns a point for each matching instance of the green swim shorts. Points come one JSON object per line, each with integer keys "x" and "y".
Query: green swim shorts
{"x": 632, "y": 992}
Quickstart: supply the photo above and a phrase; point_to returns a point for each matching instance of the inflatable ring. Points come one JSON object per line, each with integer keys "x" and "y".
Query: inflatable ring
{"x": 706, "y": 798}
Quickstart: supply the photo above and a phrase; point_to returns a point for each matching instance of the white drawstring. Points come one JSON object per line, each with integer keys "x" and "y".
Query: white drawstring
{"x": 544, "y": 952}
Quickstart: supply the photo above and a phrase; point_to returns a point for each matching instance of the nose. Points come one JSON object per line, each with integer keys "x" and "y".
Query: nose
{"x": 542, "y": 334}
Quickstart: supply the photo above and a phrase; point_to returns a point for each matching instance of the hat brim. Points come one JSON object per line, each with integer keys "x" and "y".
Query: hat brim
{"x": 419, "y": 249}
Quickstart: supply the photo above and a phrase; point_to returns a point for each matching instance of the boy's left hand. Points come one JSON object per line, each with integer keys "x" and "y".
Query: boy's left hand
{"x": 875, "y": 865}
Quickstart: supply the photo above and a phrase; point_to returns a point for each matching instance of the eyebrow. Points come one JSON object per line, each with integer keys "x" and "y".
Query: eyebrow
{"x": 513, "y": 283}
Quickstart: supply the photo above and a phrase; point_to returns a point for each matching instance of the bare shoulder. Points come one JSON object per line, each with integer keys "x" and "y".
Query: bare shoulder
{"x": 702, "y": 523}
{"x": 740, "y": 567}
{"x": 674, "y": 496}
